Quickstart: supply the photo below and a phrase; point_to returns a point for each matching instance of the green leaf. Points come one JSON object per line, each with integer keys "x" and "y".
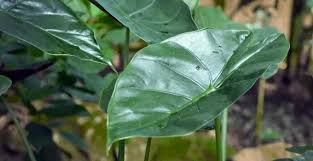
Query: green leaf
{"x": 270, "y": 71}
{"x": 210, "y": 17}
{"x": 107, "y": 92}
{"x": 118, "y": 36}
{"x": 309, "y": 5}
{"x": 5, "y": 84}
{"x": 39, "y": 135}
{"x": 308, "y": 155}
{"x": 152, "y": 20}
{"x": 50, "y": 26}
{"x": 300, "y": 149}
{"x": 75, "y": 140}
{"x": 192, "y": 3}
{"x": 175, "y": 87}
{"x": 80, "y": 7}
{"x": 63, "y": 108}
{"x": 213, "y": 17}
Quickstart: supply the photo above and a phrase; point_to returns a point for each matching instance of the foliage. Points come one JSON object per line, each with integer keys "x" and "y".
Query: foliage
{"x": 50, "y": 26}
{"x": 306, "y": 153}
{"x": 185, "y": 77}
{"x": 152, "y": 20}
{"x": 193, "y": 76}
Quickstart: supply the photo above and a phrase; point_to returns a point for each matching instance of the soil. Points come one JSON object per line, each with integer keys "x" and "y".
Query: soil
{"x": 288, "y": 110}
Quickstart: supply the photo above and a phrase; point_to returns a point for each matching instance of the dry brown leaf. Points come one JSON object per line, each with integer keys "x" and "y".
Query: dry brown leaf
{"x": 267, "y": 152}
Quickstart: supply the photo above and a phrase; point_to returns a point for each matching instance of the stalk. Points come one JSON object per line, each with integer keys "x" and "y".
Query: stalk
{"x": 295, "y": 43}
{"x": 217, "y": 126}
{"x": 224, "y": 134}
{"x": 121, "y": 150}
{"x": 260, "y": 111}
{"x": 125, "y": 53}
{"x": 220, "y": 124}
{"x": 125, "y": 56}
{"x": 148, "y": 149}
{"x": 21, "y": 132}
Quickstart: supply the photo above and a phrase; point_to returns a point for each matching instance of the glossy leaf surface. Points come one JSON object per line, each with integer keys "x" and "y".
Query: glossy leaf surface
{"x": 212, "y": 17}
{"x": 5, "y": 84}
{"x": 50, "y": 26}
{"x": 175, "y": 87}
{"x": 152, "y": 20}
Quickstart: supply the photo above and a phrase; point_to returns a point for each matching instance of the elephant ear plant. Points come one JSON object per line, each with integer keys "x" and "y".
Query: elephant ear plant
{"x": 184, "y": 79}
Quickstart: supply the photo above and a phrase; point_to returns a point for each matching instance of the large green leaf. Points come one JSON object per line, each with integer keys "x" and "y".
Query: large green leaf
{"x": 50, "y": 26}
{"x": 152, "y": 20}
{"x": 5, "y": 84}
{"x": 179, "y": 85}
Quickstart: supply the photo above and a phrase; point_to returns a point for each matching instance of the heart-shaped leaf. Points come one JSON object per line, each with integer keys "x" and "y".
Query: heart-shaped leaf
{"x": 152, "y": 20}
{"x": 50, "y": 26}
{"x": 5, "y": 84}
{"x": 179, "y": 85}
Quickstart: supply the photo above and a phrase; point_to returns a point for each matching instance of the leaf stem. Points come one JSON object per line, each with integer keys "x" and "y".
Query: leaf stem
{"x": 224, "y": 134}
{"x": 121, "y": 150}
{"x": 125, "y": 54}
{"x": 148, "y": 149}
{"x": 217, "y": 125}
{"x": 260, "y": 111}
{"x": 21, "y": 132}
{"x": 221, "y": 135}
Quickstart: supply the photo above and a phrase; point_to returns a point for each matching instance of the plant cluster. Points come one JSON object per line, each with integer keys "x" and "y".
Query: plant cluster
{"x": 196, "y": 64}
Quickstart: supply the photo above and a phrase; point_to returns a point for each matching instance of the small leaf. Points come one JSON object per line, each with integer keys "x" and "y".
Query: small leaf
{"x": 75, "y": 140}
{"x": 191, "y": 78}
{"x": 5, "y": 84}
{"x": 39, "y": 135}
{"x": 210, "y": 17}
{"x": 63, "y": 108}
{"x": 107, "y": 92}
{"x": 300, "y": 149}
{"x": 213, "y": 17}
{"x": 152, "y": 20}
{"x": 50, "y": 26}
